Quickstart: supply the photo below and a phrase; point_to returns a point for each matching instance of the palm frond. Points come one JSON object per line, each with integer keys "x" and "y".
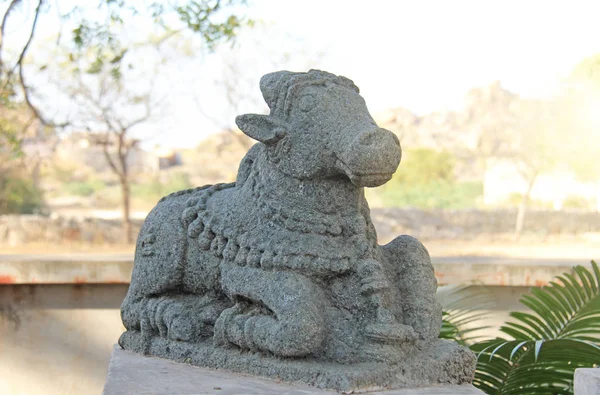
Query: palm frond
{"x": 561, "y": 334}
{"x": 463, "y": 306}
{"x": 565, "y": 309}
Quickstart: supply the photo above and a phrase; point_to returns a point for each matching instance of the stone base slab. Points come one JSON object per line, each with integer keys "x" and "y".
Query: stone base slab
{"x": 443, "y": 363}
{"x": 587, "y": 381}
{"x": 130, "y": 373}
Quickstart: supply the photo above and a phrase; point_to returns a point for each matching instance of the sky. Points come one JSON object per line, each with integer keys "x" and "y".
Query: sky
{"x": 424, "y": 55}
{"x": 421, "y": 55}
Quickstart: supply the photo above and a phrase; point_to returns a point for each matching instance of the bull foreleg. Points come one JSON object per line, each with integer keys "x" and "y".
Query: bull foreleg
{"x": 416, "y": 282}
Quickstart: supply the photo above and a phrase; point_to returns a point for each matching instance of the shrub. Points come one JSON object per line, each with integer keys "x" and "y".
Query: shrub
{"x": 577, "y": 202}
{"x": 425, "y": 166}
{"x": 434, "y": 195}
{"x": 155, "y": 189}
{"x": 18, "y": 195}
{"x": 543, "y": 348}
{"x": 83, "y": 188}
{"x": 426, "y": 180}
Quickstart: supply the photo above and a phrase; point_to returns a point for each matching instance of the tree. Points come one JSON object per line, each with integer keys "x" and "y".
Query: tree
{"x": 536, "y": 145}
{"x": 586, "y": 74}
{"x": 110, "y": 110}
{"x": 487, "y": 125}
{"x": 426, "y": 166}
{"x": 19, "y": 191}
{"x": 582, "y": 100}
{"x": 103, "y": 46}
{"x": 100, "y": 27}
{"x": 559, "y": 132}
{"x": 238, "y": 78}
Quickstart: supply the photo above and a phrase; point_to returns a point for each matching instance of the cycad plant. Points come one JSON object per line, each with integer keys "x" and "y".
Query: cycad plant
{"x": 560, "y": 335}
{"x": 463, "y": 306}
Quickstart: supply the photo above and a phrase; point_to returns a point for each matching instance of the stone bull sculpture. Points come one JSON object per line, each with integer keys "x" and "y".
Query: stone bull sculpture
{"x": 285, "y": 262}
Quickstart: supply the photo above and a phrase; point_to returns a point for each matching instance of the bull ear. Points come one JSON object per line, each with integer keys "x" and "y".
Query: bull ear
{"x": 263, "y": 128}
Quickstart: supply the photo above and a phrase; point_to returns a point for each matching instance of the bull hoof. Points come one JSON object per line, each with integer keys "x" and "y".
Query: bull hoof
{"x": 224, "y": 322}
{"x": 181, "y": 328}
{"x": 391, "y": 333}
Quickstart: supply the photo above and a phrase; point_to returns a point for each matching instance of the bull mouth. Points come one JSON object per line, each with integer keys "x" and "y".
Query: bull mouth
{"x": 364, "y": 179}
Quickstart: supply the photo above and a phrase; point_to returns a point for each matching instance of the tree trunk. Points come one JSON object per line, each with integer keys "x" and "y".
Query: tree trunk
{"x": 523, "y": 208}
{"x": 126, "y": 200}
{"x": 484, "y": 168}
{"x": 598, "y": 196}
{"x": 35, "y": 173}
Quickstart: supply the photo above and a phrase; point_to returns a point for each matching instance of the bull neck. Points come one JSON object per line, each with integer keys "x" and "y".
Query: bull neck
{"x": 326, "y": 196}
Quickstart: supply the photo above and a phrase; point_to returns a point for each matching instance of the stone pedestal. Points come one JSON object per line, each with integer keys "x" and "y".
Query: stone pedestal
{"x": 587, "y": 381}
{"x": 130, "y": 373}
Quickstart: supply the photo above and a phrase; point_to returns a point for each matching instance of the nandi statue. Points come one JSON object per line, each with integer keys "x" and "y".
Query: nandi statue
{"x": 279, "y": 274}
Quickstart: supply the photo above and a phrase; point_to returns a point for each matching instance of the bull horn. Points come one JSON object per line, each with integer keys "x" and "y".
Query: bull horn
{"x": 269, "y": 86}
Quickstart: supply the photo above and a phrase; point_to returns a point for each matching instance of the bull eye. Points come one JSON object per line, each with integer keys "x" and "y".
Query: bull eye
{"x": 307, "y": 103}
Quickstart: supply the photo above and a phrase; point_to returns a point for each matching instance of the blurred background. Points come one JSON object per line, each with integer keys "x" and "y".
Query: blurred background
{"x": 108, "y": 106}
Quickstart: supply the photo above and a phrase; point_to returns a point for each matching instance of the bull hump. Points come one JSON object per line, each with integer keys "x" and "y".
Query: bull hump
{"x": 184, "y": 192}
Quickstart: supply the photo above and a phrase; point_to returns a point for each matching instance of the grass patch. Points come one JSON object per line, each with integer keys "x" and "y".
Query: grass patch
{"x": 432, "y": 195}
{"x": 155, "y": 189}
{"x": 83, "y": 188}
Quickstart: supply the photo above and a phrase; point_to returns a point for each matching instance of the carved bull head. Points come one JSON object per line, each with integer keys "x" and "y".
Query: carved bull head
{"x": 319, "y": 127}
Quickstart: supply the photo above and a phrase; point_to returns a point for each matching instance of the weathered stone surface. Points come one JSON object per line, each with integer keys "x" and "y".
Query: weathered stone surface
{"x": 279, "y": 274}
{"x": 443, "y": 362}
{"x": 587, "y": 381}
{"x": 130, "y": 373}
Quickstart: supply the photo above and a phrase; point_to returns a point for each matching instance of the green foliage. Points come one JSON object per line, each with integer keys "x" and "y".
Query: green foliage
{"x": 425, "y": 179}
{"x": 515, "y": 199}
{"x": 562, "y": 334}
{"x": 18, "y": 195}
{"x": 425, "y": 166}
{"x": 62, "y": 173}
{"x": 463, "y": 306}
{"x": 434, "y": 195}
{"x": 577, "y": 202}
{"x": 83, "y": 188}
{"x": 196, "y": 16}
{"x": 155, "y": 189}
{"x": 207, "y": 18}
{"x": 10, "y": 141}
{"x": 588, "y": 71}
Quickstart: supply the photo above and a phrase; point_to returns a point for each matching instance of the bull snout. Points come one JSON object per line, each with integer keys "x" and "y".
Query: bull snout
{"x": 371, "y": 157}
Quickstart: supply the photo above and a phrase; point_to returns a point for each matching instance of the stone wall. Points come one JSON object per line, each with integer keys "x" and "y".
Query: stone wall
{"x": 467, "y": 224}
{"x": 17, "y": 230}
{"x": 425, "y": 225}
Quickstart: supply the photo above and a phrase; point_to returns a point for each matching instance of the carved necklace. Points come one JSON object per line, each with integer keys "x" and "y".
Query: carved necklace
{"x": 336, "y": 242}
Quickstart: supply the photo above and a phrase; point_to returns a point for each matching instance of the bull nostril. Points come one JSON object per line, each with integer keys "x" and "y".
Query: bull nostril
{"x": 368, "y": 138}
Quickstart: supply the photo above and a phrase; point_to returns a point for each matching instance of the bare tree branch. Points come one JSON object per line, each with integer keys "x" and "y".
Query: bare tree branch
{"x": 108, "y": 158}
{"x": 19, "y": 63}
{"x": 19, "y": 66}
{"x": 137, "y": 121}
{"x": 167, "y": 36}
{"x": 12, "y": 4}
{"x": 60, "y": 22}
{"x": 28, "y": 124}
